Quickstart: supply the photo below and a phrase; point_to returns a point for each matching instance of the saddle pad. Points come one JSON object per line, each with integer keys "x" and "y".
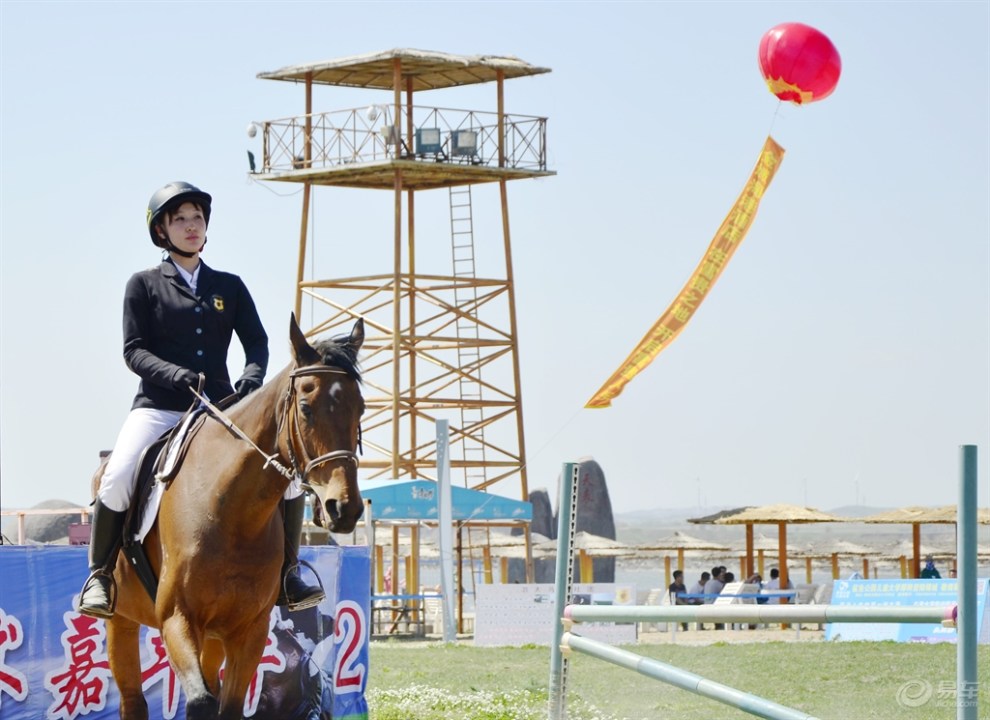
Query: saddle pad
{"x": 172, "y": 451}
{"x": 150, "y": 511}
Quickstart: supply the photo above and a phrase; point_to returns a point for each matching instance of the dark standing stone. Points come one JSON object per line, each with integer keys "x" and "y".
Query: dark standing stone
{"x": 544, "y": 569}
{"x": 594, "y": 513}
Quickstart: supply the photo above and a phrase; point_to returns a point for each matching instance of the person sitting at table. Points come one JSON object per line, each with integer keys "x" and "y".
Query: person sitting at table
{"x": 773, "y": 584}
{"x": 713, "y": 587}
{"x": 715, "y": 584}
{"x": 757, "y": 579}
{"x": 676, "y": 591}
{"x": 930, "y": 571}
{"x": 699, "y": 588}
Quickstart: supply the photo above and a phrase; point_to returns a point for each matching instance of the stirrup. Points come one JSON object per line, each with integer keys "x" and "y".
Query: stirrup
{"x": 301, "y": 604}
{"x": 94, "y": 611}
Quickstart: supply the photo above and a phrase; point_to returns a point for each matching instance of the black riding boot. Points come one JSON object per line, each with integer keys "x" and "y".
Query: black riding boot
{"x": 295, "y": 593}
{"x": 97, "y": 599}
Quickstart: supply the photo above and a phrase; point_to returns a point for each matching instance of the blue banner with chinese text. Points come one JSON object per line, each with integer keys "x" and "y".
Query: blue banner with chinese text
{"x": 53, "y": 661}
{"x": 905, "y": 593}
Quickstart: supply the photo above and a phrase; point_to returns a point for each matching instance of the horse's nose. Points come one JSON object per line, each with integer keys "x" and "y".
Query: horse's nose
{"x": 333, "y": 512}
{"x": 343, "y": 515}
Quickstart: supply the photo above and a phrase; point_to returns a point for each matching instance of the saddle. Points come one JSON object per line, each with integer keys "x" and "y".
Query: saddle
{"x": 156, "y": 468}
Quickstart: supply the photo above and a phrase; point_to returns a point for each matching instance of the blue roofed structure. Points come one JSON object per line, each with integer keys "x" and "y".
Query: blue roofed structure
{"x": 417, "y": 500}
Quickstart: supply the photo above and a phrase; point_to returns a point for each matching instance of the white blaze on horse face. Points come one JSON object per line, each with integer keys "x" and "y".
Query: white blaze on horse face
{"x": 335, "y": 389}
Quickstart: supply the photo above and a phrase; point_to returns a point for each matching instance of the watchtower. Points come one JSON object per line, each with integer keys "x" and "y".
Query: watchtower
{"x": 441, "y": 342}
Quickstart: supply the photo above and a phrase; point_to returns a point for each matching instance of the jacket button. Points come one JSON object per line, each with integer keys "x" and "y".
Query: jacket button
{"x": 199, "y": 331}
{"x": 199, "y": 352}
{"x": 199, "y": 309}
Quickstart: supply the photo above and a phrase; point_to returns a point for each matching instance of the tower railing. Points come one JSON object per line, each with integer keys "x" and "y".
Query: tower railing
{"x": 361, "y": 135}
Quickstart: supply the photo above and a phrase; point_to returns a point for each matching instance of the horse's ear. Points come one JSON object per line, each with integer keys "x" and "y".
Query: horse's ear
{"x": 356, "y": 340}
{"x": 301, "y": 349}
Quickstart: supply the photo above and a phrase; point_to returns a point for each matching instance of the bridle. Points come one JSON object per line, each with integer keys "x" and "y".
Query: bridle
{"x": 293, "y": 472}
{"x": 294, "y": 437}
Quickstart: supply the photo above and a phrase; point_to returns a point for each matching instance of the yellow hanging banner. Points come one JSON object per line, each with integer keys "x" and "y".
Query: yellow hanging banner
{"x": 726, "y": 240}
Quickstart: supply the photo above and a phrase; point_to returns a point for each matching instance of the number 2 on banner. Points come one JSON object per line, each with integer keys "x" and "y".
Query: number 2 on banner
{"x": 348, "y": 635}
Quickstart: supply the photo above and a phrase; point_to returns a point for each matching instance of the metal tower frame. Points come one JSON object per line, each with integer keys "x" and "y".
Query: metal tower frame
{"x": 437, "y": 344}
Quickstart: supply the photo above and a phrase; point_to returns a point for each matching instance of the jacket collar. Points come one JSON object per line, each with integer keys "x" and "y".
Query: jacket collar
{"x": 170, "y": 271}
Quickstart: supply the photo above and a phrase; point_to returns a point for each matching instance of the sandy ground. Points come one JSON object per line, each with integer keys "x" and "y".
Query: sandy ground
{"x": 808, "y": 633}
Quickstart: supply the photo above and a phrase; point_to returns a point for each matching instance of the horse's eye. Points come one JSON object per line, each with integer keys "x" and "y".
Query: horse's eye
{"x": 306, "y": 409}
{"x": 308, "y": 387}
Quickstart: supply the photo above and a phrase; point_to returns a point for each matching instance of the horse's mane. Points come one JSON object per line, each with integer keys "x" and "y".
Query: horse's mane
{"x": 338, "y": 352}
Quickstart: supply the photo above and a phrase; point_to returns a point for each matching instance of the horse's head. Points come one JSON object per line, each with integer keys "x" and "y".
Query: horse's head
{"x": 321, "y": 430}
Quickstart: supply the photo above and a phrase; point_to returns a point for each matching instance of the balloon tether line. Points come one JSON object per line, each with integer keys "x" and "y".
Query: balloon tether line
{"x": 773, "y": 120}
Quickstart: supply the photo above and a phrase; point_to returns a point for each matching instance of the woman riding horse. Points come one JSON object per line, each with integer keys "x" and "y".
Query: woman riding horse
{"x": 217, "y": 544}
{"x": 179, "y": 318}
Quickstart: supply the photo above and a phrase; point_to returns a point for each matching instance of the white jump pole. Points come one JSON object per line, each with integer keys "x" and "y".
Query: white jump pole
{"x": 445, "y": 524}
{"x": 789, "y": 614}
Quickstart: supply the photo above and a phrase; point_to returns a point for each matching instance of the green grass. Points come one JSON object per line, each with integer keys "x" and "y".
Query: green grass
{"x": 840, "y": 681}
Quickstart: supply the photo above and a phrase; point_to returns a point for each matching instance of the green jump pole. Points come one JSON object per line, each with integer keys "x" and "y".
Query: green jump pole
{"x": 967, "y": 687}
{"x": 566, "y": 518}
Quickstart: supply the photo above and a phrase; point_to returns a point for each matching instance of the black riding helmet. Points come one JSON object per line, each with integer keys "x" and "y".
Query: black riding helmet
{"x": 169, "y": 198}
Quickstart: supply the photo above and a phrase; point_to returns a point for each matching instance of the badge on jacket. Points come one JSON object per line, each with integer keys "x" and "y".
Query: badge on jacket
{"x": 218, "y": 303}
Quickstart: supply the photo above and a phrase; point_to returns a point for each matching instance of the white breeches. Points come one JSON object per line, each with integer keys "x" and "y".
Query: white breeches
{"x": 141, "y": 428}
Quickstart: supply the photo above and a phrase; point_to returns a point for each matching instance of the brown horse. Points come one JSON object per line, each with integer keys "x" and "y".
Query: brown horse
{"x": 217, "y": 545}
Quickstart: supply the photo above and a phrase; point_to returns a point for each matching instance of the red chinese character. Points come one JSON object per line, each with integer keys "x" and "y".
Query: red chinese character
{"x": 272, "y": 660}
{"x": 12, "y": 682}
{"x": 80, "y": 686}
{"x": 158, "y": 670}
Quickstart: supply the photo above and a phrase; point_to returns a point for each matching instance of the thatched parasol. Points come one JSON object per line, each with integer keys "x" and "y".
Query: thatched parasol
{"x": 947, "y": 514}
{"x": 837, "y": 547}
{"x": 711, "y": 519}
{"x": 503, "y": 540}
{"x": 590, "y": 546}
{"x": 594, "y": 545}
{"x": 680, "y": 541}
{"x": 916, "y": 516}
{"x": 780, "y": 515}
{"x": 768, "y": 543}
{"x": 906, "y": 547}
{"x": 514, "y": 546}
{"x": 833, "y": 550}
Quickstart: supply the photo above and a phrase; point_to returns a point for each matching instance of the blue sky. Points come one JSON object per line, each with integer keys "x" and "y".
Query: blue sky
{"x": 843, "y": 356}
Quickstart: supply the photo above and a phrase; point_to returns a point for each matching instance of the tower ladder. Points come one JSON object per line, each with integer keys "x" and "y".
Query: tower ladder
{"x": 472, "y": 439}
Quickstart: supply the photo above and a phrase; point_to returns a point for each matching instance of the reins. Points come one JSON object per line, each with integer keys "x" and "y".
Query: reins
{"x": 293, "y": 472}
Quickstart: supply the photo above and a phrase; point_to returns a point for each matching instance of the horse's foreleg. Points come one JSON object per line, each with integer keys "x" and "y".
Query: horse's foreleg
{"x": 124, "y": 653}
{"x": 210, "y": 659}
{"x": 243, "y": 657}
{"x": 183, "y": 644}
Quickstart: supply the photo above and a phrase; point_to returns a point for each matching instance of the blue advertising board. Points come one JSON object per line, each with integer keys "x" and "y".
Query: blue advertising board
{"x": 53, "y": 661}
{"x": 905, "y": 593}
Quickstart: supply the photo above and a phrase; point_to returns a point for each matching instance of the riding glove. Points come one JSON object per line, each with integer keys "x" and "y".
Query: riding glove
{"x": 245, "y": 387}
{"x": 186, "y": 379}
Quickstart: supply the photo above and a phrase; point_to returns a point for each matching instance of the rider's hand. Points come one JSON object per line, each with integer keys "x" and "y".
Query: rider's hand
{"x": 185, "y": 379}
{"x": 245, "y": 387}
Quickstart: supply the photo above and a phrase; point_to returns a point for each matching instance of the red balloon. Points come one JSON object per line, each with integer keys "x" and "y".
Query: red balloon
{"x": 799, "y": 63}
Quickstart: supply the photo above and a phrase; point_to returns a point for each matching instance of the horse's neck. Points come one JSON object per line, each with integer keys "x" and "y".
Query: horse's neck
{"x": 257, "y": 418}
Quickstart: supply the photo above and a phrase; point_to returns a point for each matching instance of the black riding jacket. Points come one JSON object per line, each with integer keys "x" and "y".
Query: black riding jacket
{"x": 167, "y": 327}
